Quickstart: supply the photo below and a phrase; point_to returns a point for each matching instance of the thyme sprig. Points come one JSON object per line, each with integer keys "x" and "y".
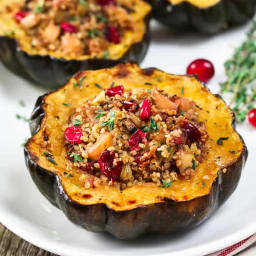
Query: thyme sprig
{"x": 241, "y": 77}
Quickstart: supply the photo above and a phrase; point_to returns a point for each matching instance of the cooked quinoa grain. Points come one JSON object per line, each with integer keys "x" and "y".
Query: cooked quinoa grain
{"x": 132, "y": 137}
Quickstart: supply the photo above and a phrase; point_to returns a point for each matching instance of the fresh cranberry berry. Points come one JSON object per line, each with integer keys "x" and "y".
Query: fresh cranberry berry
{"x": 203, "y": 68}
{"x": 106, "y": 165}
{"x": 67, "y": 27}
{"x": 117, "y": 90}
{"x": 20, "y": 15}
{"x": 106, "y": 2}
{"x": 145, "y": 112}
{"x": 113, "y": 35}
{"x": 191, "y": 131}
{"x": 73, "y": 134}
{"x": 137, "y": 138}
{"x": 252, "y": 117}
{"x": 130, "y": 106}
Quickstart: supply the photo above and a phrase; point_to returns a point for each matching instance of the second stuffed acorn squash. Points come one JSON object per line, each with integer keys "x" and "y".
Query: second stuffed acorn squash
{"x": 48, "y": 41}
{"x": 132, "y": 151}
{"x": 206, "y": 16}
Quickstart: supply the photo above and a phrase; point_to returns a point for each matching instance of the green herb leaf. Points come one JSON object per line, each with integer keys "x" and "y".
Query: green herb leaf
{"x": 193, "y": 164}
{"x": 182, "y": 112}
{"x": 153, "y": 125}
{"x": 106, "y": 54}
{"x": 70, "y": 175}
{"x": 65, "y": 104}
{"x": 94, "y": 32}
{"x": 49, "y": 157}
{"x": 102, "y": 18}
{"x": 83, "y": 3}
{"x": 149, "y": 91}
{"x": 203, "y": 183}
{"x": 20, "y": 117}
{"x": 100, "y": 113}
{"x": 22, "y": 103}
{"x": 148, "y": 83}
{"x": 182, "y": 90}
{"x": 39, "y": 8}
{"x": 77, "y": 122}
{"x": 80, "y": 83}
{"x": 110, "y": 122}
{"x": 77, "y": 158}
{"x": 112, "y": 85}
{"x": 167, "y": 184}
{"x": 221, "y": 139}
{"x": 233, "y": 151}
{"x": 98, "y": 85}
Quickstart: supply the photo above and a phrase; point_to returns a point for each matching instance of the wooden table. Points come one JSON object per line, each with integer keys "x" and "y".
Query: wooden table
{"x": 12, "y": 245}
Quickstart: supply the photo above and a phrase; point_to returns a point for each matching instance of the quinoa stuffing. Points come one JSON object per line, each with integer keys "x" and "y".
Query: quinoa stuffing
{"x": 75, "y": 27}
{"x": 135, "y": 136}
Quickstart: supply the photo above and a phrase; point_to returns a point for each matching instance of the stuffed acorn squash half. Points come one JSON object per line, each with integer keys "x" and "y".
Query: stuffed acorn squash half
{"x": 132, "y": 151}
{"x": 206, "y": 16}
{"x": 49, "y": 41}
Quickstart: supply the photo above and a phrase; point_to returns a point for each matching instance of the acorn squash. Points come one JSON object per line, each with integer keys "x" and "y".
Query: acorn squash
{"x": 30, "y": 58}
{"x": 141, "y": 208}
{"x": 206, "y": 16}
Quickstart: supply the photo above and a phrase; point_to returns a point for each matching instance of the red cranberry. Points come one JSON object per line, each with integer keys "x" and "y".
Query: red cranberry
{"x": 204, "y": 69}
{"x": 117, "y": 90}
{"x": 130, "y": 106}
{"x": 106, "y": 2}
{"x": 73, "y": 134}
{"x": 137, "y": 138}
{"x": 67, "y": 27}
{"x": 191, "y": 131}
{"x": 252, "y": 117}
{"x": 106, "y": 165}
{"x": 113, "y": 35}
{"x": 145, "y": 110}
{"x": 20, "y": 15}
{"x": 178, "y": 140}
{"x": 88, "y": 167}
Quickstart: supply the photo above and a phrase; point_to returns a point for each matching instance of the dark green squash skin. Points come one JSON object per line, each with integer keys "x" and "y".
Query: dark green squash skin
{"x": 165, "y": 217}
{"x": 51, "y": 72}
{"x": 186, "y": 17}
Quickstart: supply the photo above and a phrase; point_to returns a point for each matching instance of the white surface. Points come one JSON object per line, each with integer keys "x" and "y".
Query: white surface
{"x": 24, "y": 210}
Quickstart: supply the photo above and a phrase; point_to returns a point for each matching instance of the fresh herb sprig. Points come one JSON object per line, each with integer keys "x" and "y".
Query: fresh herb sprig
{"x": 110, "y": 122}
{"x": 241, "y": 77}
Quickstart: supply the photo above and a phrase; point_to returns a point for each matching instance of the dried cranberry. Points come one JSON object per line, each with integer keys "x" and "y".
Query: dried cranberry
{"x": 191, "y": 131}
{"x": 73, "y": 134}
{"x": 204, "y": 69}
{"x": 178, "y": 140}
{"x": 252, "y": 117}
{"x": 130, "y": 106}
{"x": 137, "y": 138}
{"x": 106, "y": 2}
{"x": 87, "y": 167}
{"x": 113, "y": 35}
{"x": 106, "y": 165}
{"x": 145, "y": 112}
{"x": 21, "y": 15}
{"x": 117, "y": 90}
{"x": 67, "y": 27}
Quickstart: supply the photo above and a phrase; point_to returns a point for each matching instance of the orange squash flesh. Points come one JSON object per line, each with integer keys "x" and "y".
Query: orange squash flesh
{"x": 212, "y": 110}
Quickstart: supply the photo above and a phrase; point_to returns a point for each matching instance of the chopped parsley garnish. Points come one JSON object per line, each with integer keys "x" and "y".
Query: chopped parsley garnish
{"x": 233, "y": 151}
{"x": 20, "y": 117}
{"x": 182, "y": 90}
{"x": 193, "y": 164}
{"x": 49, "y": 157}
{"x": 182, "y": 112}
{"x": 98, "y": 85}
{"x": 149, "y": 91}
{"x": 221, "y": 139}
{"x": 166, "y": 184}
{"x": 65, "y": 104}
{"x": 77, "y": 122}
{"x": 152, "y": 126}
{"x": 22, "y": 103}
{"x": 102, "y": 18}
{"x": 106, "y": 54}
{"x": 100, "y": 113}
{"x": 83, "y": 3}
{"x": 39, "y": 8}
{"x": 94, "y": 32}
{"x": 80, "y": 83}
{"x": 112, "y": 84}
{"x": 70, "y": 175}
{"x": 74, "y": 18}
{"x": 110, "y": 122}
{"x": 77, "y": 157}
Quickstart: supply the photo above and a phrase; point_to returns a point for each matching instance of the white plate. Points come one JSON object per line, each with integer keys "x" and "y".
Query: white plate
{"x": 24, "y": 210}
